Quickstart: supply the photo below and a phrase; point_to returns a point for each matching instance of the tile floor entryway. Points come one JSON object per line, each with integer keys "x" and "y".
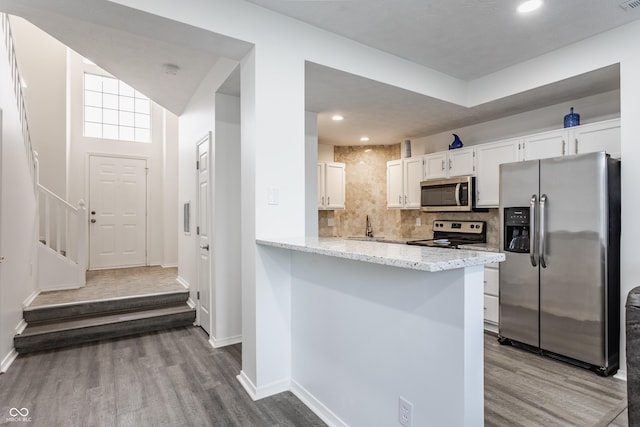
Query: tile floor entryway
{"x": 116, "y": 283}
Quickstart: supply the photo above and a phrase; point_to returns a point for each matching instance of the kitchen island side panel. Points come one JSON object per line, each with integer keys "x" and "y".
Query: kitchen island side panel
{"x": 365, "y": 334}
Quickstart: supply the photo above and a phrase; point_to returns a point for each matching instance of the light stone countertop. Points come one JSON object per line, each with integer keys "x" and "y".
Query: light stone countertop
{"x": 391, "y": 254}
{"x": 479, "y": 247}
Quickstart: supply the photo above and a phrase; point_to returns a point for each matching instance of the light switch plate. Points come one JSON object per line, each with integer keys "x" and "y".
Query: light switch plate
{"x": 273, "y": 197}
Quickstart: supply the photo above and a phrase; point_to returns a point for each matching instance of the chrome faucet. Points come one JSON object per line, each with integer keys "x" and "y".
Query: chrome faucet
{"x": 368, "y": 232}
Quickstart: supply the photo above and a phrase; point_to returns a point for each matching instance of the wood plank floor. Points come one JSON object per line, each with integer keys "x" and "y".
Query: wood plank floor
{"x": 524, "y": 389}
{"x": 168, "y": 378}
{"x": 116, "y": 283}
{"x": 174, "y": 377}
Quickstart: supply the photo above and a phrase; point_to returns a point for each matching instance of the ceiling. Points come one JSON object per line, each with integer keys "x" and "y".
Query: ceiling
{"x": 464, "y": 38}
{"x": 132, "y": 45}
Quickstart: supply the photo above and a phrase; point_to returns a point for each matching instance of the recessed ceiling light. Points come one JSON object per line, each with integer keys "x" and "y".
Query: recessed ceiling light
{"x": 337, "y": 118}
{"x": 529, "y": 6}
{"x": 364, "y": 139}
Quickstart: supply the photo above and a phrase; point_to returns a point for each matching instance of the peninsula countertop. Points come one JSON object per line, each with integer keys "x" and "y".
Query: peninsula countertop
{"x": 391, "y": 254}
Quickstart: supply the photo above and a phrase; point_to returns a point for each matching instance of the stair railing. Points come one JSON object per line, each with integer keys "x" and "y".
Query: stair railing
{"x": 65, "y": 226}
{"x": 17, "y": 89}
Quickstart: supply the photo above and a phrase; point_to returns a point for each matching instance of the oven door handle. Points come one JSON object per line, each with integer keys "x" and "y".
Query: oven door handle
{"x": 458, "y": 194}
{"x": 533, "y": 236}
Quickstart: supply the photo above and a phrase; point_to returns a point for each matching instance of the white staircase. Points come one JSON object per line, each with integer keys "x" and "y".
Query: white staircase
{"x": 63, "y": 229}
{"x": 62, "y": 245}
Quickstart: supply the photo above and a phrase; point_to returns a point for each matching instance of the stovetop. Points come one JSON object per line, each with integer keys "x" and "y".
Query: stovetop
{"x": 451, "y": 234}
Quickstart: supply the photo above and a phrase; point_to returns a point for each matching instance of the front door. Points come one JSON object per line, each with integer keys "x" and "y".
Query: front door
{"x": 117, "y": 212}
{"x": 203, "y": 237}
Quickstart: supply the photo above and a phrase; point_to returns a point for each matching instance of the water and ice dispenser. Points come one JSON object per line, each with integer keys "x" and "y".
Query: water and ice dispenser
{"x": 516, "y": 230}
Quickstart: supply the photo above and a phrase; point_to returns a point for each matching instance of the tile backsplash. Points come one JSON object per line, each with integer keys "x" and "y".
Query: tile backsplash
{"x": 366, "y": 194}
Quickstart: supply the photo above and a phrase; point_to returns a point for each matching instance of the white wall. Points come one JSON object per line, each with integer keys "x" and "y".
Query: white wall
{"x": 312, "y": 157}
{"x": 17, "y": 218}
{"x": 170, "y": 207}
{"x": 226, "y": 268}
{"x": 197, "y": 119}
{"x": 157, "y": 154}
{"x": 43, "y": 65}
{"x": 325, "y": 151}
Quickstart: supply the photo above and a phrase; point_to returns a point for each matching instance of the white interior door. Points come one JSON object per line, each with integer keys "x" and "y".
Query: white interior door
{"x": 117, "y": 212}
{"x": 203, "y": 237}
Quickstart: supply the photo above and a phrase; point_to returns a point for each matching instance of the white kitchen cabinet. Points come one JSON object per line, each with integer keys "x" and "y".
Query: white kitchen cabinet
{"x": 600, "y": 136}
{"x": 435, "y": 165}
{"x": 545, "y": 145}
{"x": 403, "y": 182}
{"x": 331, "y": 185}
{"x": 447, "y": 164}
{"x": 395, "y": 191}
{"x": 489, "y": 157}
{"x": 413, "y": 171}
{"x": 491, "y": 296}
{"x": 461, "y": 162}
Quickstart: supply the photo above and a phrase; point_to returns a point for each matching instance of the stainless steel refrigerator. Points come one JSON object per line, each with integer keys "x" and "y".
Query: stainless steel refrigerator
{"x": 559, "y": 284}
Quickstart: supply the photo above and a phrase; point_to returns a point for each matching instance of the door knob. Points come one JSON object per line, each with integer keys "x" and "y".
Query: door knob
{"x": 93, "y": 212}
{"x": 93, "y": 221}
{"x": 205, "y": 247}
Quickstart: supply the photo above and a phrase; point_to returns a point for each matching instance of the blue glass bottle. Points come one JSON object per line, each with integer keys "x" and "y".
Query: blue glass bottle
{"x": 571, "y": 119}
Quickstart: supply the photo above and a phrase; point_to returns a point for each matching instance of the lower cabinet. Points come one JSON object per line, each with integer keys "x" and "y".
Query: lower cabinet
{"x": 491, "y": 297}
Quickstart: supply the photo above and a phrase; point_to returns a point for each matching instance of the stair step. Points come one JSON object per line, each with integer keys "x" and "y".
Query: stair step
{"x": 50, "y": 312}
{"x": 62, "y": 333}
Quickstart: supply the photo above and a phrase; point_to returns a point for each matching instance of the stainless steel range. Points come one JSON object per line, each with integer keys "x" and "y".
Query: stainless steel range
{"x": 451, "y": 234}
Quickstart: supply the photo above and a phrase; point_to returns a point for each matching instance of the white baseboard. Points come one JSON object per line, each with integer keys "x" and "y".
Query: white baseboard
{"x": 223, "y": 342}
{"x": 172, "y": 265}
{"x": 621, "y": 375}
{"x": 317, "y": 407}
{"x": 183, "y": 282}
{"x": 265, "y": 391}
{"x": 8, "y": 360}
{"x": 21, "y": 326}
{"x": 30, "y": 298}
{"x": 191, "y": 303}
{"x": 63, "y": 287}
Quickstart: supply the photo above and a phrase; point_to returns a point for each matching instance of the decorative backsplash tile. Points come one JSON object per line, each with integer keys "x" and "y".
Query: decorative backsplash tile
{"x": 366, "y": 194}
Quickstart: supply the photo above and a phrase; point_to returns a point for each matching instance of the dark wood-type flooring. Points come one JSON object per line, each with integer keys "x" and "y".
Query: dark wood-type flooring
{"x": 174, "y": 378}
{"x": 169, "y": 378}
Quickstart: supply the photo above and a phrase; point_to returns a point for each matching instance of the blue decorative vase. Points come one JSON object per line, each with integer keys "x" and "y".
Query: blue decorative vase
{"x": 571, "y": 119}
{"x": 456, "y": 142}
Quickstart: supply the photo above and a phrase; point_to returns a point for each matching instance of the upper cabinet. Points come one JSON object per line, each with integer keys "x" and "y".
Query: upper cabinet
{"x": 489, "y": 157}
{"x": 461, "y": 162}
{"x": 435, "y": 165}
{"x": 484, "y": 160}
{"x": 395, "y": 192}
{"x": 331, "y": 185}
{"x": 446, "y": 164}
{"x": 545, "y": 145}
{"x": 600, "y": 136}
{"x": 403, "y": 182}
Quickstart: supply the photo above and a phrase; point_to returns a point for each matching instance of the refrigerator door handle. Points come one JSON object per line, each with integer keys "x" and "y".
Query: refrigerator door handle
{"x": 542, "y": 233}
{"x": 532, "y": 216}
{"x": 458, "y": 194}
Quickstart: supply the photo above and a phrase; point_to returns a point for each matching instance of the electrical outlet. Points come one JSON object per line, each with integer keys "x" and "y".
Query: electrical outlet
{"x": 419, "y": 221}
{"x": 405, "y": 412}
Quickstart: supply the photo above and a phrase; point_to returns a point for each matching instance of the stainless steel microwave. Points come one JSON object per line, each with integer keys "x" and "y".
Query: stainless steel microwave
{"x": 447, "y": 195}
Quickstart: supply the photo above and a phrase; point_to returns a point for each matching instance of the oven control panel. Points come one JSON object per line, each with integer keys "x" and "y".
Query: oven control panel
{"x": 476, "y": 227}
